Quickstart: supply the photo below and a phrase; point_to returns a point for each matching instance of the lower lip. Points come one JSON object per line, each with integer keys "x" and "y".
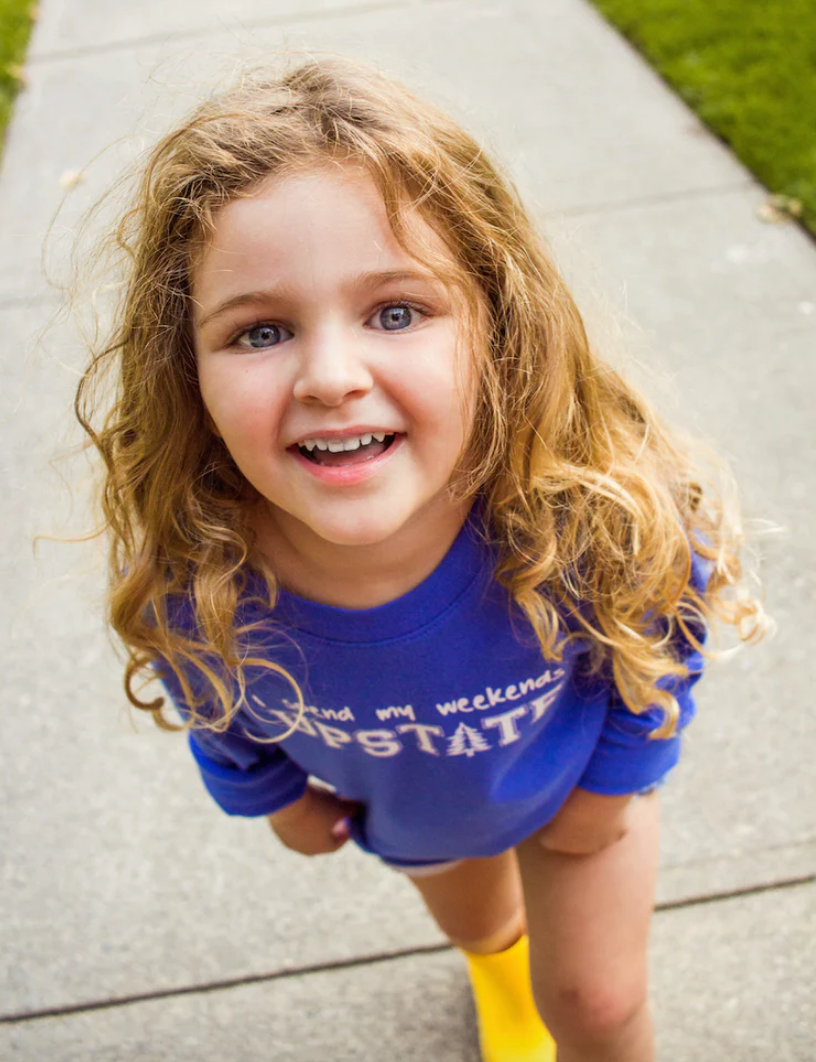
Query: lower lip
{"x": 348, "y": 475}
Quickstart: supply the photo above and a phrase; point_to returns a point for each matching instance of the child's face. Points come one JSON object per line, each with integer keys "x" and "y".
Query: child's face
{"x": 312, "y": 323}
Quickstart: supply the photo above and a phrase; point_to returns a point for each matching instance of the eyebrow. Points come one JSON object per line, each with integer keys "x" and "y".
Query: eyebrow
{"x": 373, "y": 279}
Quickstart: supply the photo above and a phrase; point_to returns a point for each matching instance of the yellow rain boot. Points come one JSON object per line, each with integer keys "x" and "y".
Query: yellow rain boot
{"x": 510, "y": 1029}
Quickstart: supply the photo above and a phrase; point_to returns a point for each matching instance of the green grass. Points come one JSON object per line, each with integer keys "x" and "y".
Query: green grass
{"x": 15, "y": 27}
{"x": 748, "y": 69}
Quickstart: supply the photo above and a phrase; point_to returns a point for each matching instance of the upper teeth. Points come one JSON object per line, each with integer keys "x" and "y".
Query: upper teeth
{"x": 334, "y": 446}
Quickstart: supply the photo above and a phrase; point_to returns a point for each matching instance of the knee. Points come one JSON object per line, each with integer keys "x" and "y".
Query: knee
{"x": 587, "y": 1010}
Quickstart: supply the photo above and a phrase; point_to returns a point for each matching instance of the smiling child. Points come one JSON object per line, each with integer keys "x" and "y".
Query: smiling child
{"x": 415, "y": 566}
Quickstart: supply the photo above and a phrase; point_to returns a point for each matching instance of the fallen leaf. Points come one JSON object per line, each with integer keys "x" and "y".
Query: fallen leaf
{"x": 768, "y": 212}
{"x": 778, "y": 208}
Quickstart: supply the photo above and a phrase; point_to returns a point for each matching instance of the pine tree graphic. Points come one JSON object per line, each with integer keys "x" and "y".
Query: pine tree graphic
{"x": 467, "y": 742}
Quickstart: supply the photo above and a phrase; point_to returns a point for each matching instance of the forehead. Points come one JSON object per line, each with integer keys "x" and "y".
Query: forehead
{"x": 311, "y": 229}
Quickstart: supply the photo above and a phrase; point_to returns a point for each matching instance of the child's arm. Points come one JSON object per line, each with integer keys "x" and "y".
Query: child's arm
{"x": 251, "y": 778}
{"x": 243, "y": 776}
{"x": 587, "y": 823}
{"x": 627, "y": 760}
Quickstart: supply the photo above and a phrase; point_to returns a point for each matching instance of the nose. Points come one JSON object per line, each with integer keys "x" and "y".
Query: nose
{"x": 331, "y": 368}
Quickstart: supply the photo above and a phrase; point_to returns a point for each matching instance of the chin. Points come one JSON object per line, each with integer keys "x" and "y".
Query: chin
{"x": 366, "y": 532}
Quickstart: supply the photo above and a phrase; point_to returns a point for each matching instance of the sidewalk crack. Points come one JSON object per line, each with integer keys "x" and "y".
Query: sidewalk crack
{"x": 335, "y": 965}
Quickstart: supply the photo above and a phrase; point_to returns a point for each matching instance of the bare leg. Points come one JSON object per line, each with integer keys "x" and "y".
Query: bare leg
{"x": 479, "y": 904}
{"x": 589, "y": 926}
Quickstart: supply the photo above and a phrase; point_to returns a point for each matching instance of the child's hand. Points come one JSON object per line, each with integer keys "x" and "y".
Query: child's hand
{"x": 315, "y": 823}
{"x": 586, "y": 823}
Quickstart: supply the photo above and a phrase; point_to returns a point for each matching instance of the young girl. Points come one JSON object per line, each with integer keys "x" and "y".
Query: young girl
{"x": 381, "y": 520}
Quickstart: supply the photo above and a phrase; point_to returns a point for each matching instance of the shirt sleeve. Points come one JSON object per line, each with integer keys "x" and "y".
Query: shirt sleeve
{"x": 626, "y": 759}
{"x": 243, "y": 776}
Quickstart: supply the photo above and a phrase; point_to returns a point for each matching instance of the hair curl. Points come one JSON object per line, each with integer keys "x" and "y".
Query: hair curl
{"x": 594, "y": 503}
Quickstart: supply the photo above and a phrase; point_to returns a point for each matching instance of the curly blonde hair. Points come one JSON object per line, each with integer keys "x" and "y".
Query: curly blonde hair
{"x": 594, "y": 504}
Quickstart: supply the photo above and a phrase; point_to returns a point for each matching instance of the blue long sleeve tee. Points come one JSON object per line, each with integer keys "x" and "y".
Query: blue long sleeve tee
{"x": 437, "y": 712}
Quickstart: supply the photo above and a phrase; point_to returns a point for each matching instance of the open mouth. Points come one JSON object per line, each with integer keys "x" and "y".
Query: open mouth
{"x": 365, "y": 451}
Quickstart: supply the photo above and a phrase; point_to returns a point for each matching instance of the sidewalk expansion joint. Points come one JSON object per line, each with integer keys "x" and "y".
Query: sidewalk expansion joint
{"x": 732, "y": 894}
{"x": 614, "y": 206}
{"x": 294, "y": 18}
{"x": 217, "y": 986}
{"x": 338, "y": 964}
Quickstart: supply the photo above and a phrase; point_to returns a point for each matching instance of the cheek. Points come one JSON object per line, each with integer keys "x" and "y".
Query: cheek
{"x": 239, "y": 407}
{"x": 456, "y": 401}
{"x": 443, "y": 416}
{"x": 441, "y": 385}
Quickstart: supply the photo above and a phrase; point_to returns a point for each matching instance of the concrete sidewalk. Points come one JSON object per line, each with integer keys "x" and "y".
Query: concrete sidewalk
{"x": 139, "y": 922}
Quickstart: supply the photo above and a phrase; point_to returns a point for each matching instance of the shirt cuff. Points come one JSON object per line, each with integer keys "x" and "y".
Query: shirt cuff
{"x": 618, "y": 770}
{"x": 262, "y": 789}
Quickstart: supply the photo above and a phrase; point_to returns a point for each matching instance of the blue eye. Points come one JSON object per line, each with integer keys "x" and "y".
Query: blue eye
{"x": 395, "y": 318}
{"x": 263, "y": 336}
